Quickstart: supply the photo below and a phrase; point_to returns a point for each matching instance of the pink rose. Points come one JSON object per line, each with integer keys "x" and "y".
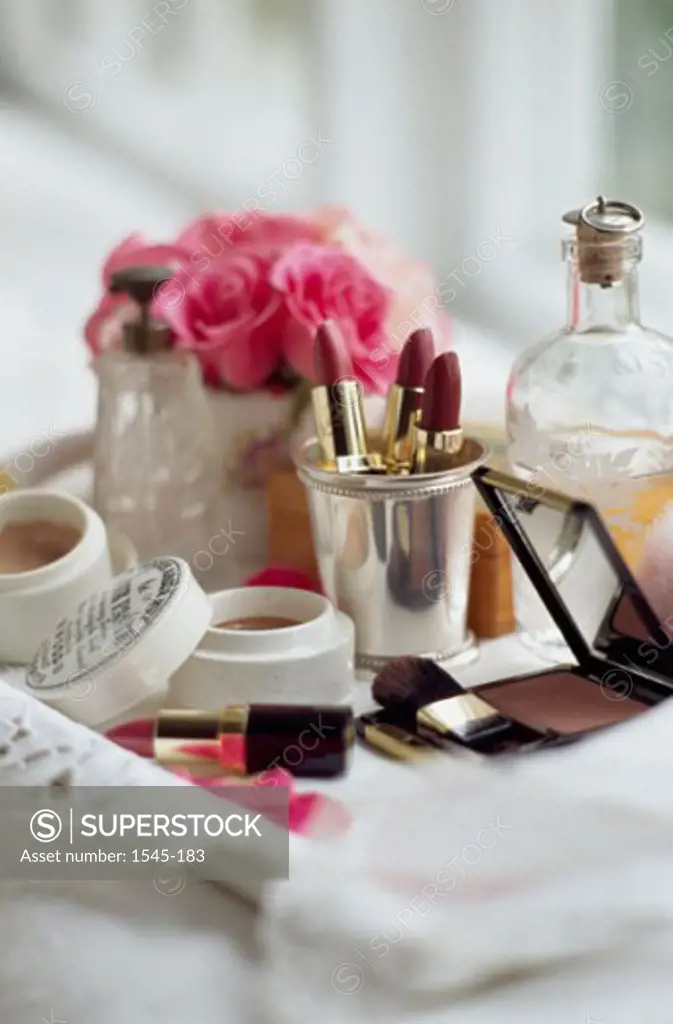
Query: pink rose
{"x": 250, "y": 289}
{"x": 230, "y": 316}
{"x": 321, "y": 283}
{"x": 103, "y": 329}
{"x": 415, "y": 302}
{"x": 212, "y": 234}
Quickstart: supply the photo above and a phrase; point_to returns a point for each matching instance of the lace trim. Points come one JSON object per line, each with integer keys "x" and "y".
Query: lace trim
{"x": 40, "y": 747}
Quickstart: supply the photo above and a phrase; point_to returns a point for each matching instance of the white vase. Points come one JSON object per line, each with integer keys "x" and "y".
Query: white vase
{"x": 254, "y": 436}
{"x": 256, "y": 433}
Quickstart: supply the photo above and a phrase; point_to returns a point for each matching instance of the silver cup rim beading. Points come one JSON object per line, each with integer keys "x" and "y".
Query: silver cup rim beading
{"x": 380, "y": 487}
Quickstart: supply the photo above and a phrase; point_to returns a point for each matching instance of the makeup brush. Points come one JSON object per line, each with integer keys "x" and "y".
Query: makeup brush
{"x": 338, "y": 406}
{"x": 438, "y": 430}
{"x": 406, "y": 684}
{"x": 427, "y": 700}
{"x": 403, "y": 407}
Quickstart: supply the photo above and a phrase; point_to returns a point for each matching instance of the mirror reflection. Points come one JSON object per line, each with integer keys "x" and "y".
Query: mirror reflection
{"x": 570, "y": 550}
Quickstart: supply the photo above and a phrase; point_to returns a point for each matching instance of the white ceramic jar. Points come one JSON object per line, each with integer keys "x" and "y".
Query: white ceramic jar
{"x": 150, "y": 640}
{"x": 53, "y": 553}
{"x": 309, "y": 662}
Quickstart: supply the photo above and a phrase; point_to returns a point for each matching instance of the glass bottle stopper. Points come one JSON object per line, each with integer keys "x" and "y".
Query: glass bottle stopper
{"x": 146, "y": 334}
{"x": 607, "y": 242}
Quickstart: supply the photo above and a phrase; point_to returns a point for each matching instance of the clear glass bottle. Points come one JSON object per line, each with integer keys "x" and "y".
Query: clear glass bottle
{"x": 155, "y": 465}
{"x": 590, "y": 407}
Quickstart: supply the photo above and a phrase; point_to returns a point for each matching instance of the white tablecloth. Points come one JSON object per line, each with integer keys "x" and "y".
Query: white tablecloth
{"x": 121, "y": 951}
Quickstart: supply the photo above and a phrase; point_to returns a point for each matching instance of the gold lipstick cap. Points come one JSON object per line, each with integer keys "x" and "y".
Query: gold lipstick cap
{"x": 403, "y": 411}
{"x": 203, "y": 739}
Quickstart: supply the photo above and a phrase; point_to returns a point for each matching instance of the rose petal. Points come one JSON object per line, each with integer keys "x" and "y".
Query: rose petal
{"x": 415, "y": 293}
{"x": 103, "y": 330}
{"x": 279, "y": 576}
{"x": 231, "y": 317}
{"x": 134, "y": 251}
{"x": 321, "y": 283}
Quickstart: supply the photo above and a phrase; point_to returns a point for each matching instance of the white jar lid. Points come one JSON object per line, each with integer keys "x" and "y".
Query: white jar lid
{"x": 120, "y": 647}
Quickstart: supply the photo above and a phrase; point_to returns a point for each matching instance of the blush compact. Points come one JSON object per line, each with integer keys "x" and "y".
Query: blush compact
{"x": 622, "y": 649}
{"x": 623, "y": 653}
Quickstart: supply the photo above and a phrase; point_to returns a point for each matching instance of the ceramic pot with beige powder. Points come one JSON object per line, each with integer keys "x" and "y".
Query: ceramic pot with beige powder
{"x": 35, "y": 544}
{"x": 53, "y": 553}
{"x": 152, "y": 640}
{"x": 268, "y": 645}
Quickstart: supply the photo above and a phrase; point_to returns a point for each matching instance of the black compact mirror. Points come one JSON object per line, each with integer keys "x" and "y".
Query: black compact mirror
{"x": 568, "y": 553}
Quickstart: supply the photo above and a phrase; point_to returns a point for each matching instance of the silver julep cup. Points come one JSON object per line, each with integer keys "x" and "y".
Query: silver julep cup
{"x": 395, "y": 552}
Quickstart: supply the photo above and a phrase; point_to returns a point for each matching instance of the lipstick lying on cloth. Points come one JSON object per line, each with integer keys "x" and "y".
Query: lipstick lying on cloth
{"x": 403, "y": 407}
{"x": 438, "y": 430}
{"x": 339, "y": 408}
{"x": 310, "y": 742}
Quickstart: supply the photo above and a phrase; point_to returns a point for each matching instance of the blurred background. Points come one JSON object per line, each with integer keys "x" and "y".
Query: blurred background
{"x": 442, "y": 122}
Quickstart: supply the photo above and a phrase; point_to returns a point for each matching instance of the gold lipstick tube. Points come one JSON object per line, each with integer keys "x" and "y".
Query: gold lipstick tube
{"x": 403, "y": 411}
{"x": 340, "y": 424}
{"x": 427, "y": 443}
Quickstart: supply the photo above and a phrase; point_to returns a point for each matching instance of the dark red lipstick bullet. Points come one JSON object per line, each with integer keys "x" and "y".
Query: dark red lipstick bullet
{"x": 416, "y": 359}
{"x": 405, "y": 397}
{"x": 332, "y": 362}
{"x": 438, "y": 429}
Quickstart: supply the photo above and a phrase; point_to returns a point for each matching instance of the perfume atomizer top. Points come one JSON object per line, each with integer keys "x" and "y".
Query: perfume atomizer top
{"x": 607, "y": 242}
{"x": 147, "y": 334}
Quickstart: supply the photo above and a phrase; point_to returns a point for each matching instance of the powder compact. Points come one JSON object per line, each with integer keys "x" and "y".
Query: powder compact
{"x": 623, "y": 652}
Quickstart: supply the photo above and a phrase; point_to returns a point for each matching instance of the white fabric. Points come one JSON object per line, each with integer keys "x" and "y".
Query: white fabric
{"x": 477, "y": 893}
{"x": 467, "y": 892}
{"x": 553, "y": 897}
{"x": 117, "y": 952}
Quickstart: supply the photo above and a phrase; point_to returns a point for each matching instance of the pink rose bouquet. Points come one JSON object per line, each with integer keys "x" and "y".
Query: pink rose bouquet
{"x": 249, "y": 290}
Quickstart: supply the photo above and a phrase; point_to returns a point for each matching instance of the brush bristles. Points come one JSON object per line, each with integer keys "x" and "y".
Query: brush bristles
{"x": 407, "y": 684}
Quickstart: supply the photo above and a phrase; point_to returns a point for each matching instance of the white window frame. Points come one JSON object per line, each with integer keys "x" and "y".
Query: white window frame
{"x": 476, "y": 163}
{"x": 175, "y": 129}
{"x": 472, "y": 162}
